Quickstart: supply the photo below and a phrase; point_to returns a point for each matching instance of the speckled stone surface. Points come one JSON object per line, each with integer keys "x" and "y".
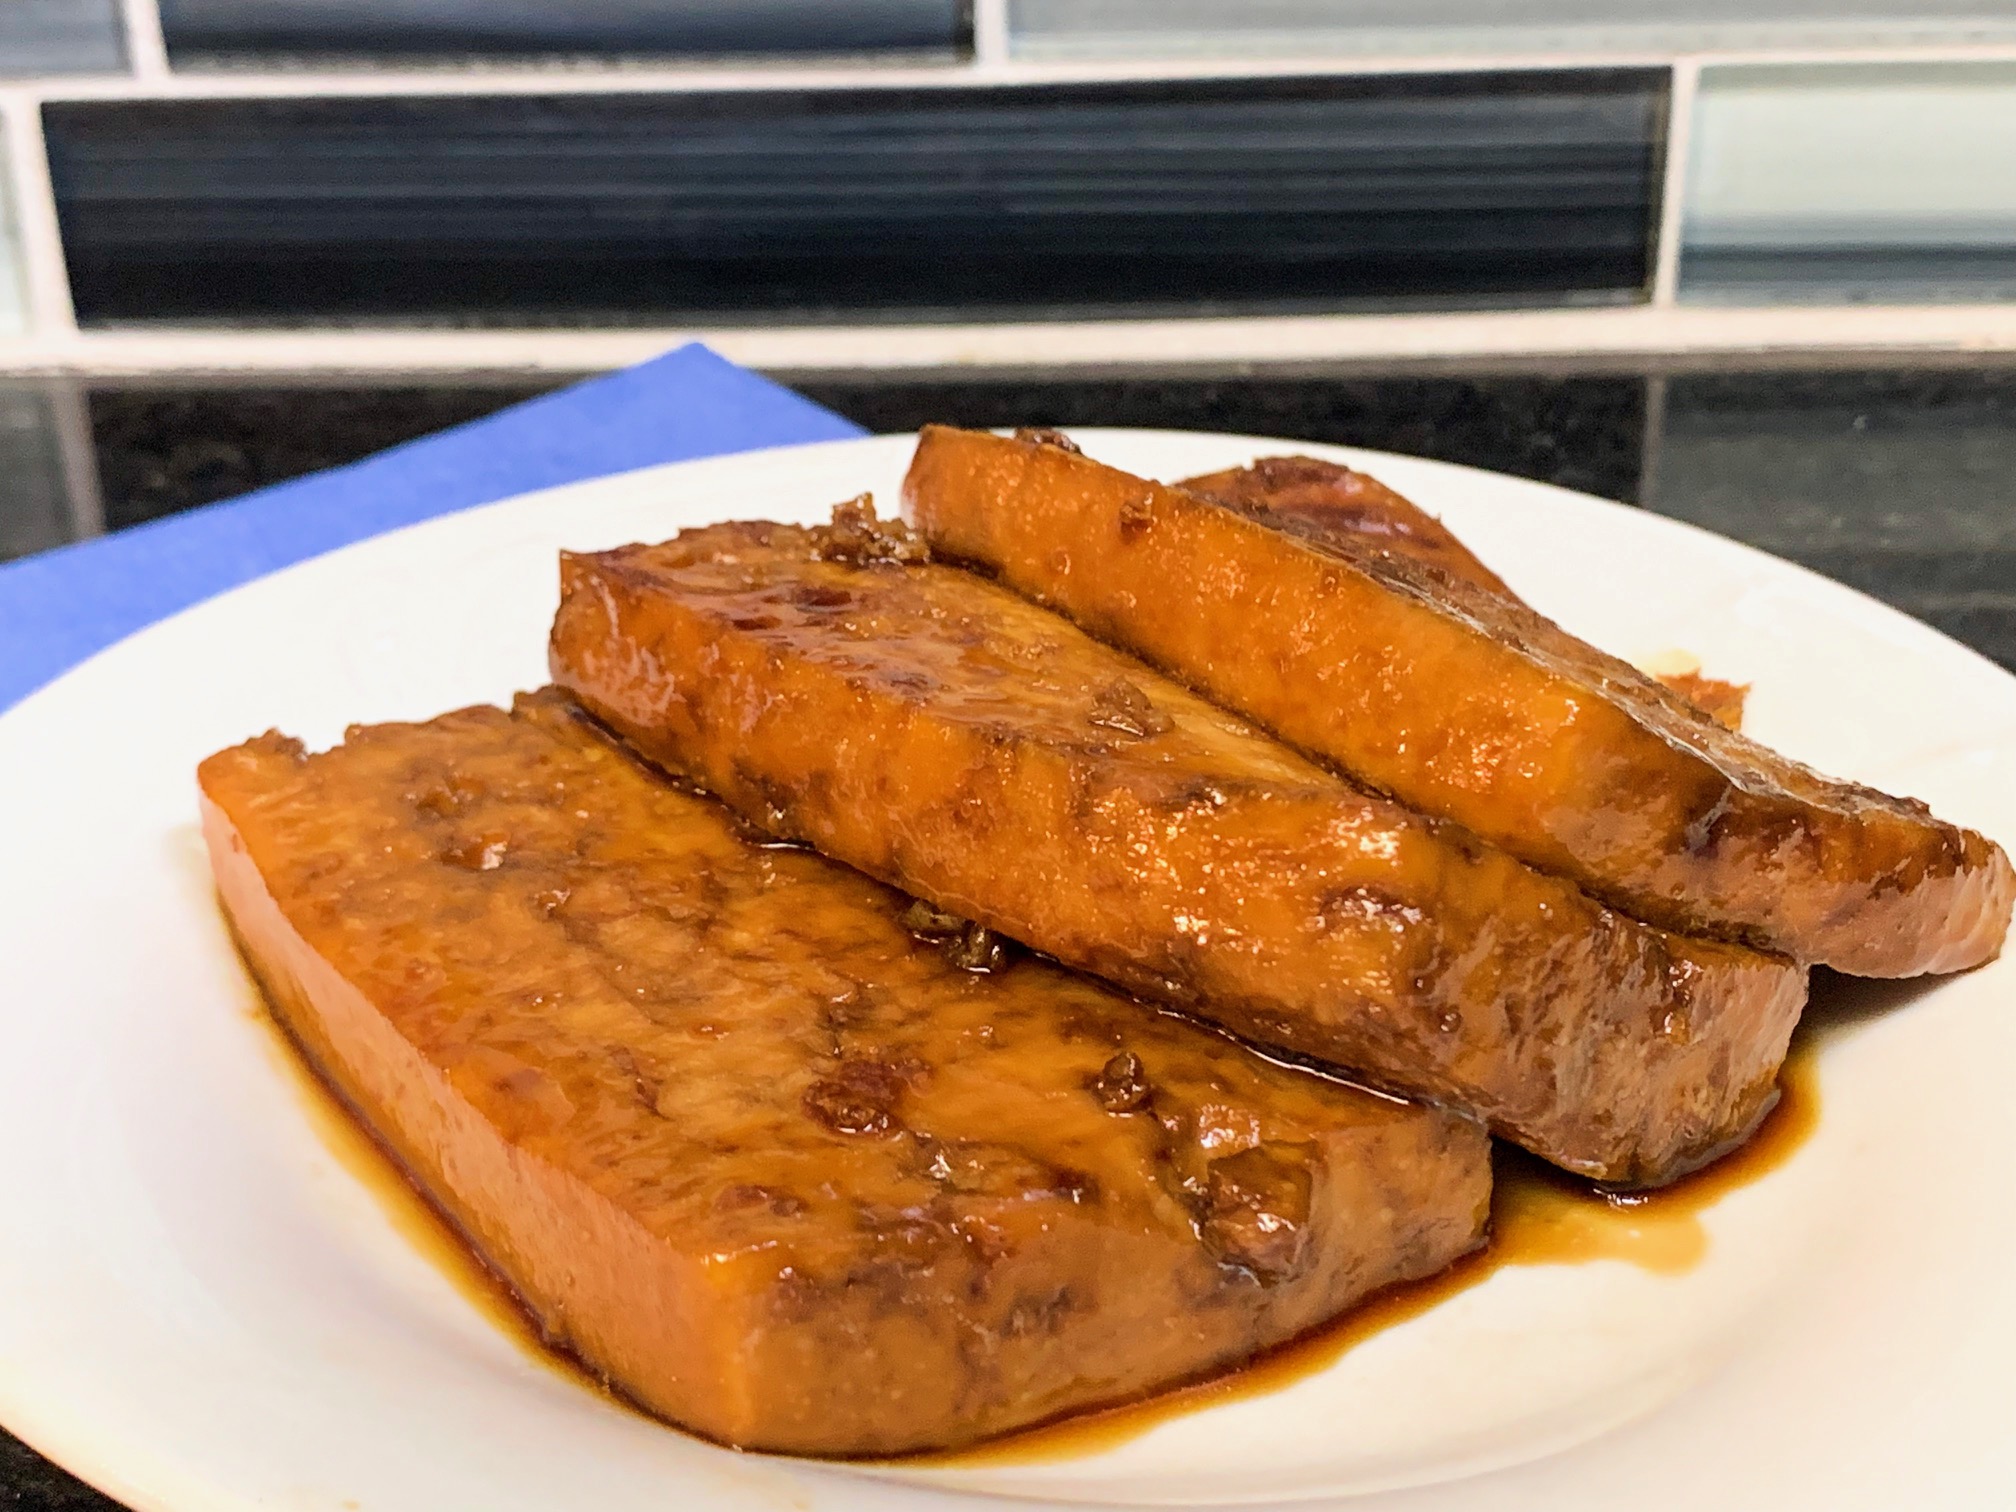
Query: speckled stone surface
{"x": 31, "y": 1484}
{"x": 1578, "y": 431}
{"x": 160, "y": 450}
{"x": 1900, "y": 482}
{"x": 1889, "y": 479}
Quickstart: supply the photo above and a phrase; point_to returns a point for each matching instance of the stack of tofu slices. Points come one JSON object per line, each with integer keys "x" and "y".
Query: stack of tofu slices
{"x": 908, "y": 982}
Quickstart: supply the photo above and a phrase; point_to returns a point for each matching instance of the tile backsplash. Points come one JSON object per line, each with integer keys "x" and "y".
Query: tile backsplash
{"x": 885, "y": 183}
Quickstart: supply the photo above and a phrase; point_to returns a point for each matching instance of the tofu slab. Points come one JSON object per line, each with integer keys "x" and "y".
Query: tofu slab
{"x": 776, "y": 1164}
{"x": 1326, "y": 502}
{"x": 938, "y": 732}
{"x": 1465, "y": 703}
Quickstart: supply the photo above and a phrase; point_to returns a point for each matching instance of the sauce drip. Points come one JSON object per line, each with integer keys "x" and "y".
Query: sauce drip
{"x": 1539, "y": 1216}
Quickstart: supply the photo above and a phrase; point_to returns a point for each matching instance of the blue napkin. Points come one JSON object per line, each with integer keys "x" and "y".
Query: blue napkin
{"x": 60, "y": 607}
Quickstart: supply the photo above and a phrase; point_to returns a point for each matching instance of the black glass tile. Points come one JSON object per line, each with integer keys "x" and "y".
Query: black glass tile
{"x": 1200, "y": 195}
{"x": 1894, "y": 482}
{"x": 459, "y": 28}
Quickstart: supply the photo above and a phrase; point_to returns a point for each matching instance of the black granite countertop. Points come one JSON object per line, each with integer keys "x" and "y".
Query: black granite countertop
{"x": 1898, "y": 480}
{"x": 1894, "y": 479}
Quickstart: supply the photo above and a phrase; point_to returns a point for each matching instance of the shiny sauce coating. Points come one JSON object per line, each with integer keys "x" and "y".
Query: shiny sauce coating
{"x": 1539, "y": 1216}
{"x": 795, "y": 1163}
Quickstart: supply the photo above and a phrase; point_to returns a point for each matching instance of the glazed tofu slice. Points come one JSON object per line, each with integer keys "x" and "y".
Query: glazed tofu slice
{"x": 948, "y": 737}
{"x": 746, "y": 1132}
{"x": 1327, "y": 502}
{"x": 1467, "y": 704}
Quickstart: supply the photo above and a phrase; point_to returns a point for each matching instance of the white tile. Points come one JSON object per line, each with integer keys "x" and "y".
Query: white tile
{"x": 1852, "y": 181}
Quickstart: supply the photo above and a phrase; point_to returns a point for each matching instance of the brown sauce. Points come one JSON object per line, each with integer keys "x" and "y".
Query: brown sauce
{"x": 1539, "y": 1216}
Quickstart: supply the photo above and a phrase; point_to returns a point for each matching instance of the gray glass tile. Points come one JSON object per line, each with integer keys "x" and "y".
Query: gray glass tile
{"x": 60, "y": 36}
{"x": 1205, "y": 195}
{"x": 462, "y": 27}
{"x": 1837, "y": 183}
{"x": 1435, "y": 28}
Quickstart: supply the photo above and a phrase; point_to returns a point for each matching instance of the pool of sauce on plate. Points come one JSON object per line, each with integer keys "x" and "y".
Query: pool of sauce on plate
{"x": 1539, "y": 1216}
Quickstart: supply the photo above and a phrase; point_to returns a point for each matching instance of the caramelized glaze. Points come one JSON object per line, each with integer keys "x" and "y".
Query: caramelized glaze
{"x": 790, "y": 1162}
{"x": 1539, "y": 1216}
{"x": 1326, "y": 502}
{"x": 1463, "y": 702}
{"x": 938, "y": 732}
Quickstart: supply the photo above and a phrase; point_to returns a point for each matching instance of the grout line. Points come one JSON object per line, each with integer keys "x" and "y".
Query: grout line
{"x": 1680, "y": 107}
{"x": 1651, "y": 441}
{"x": 45, "y": 277}
{"x": 146, "y": 51}
{"x": 991, "y": 48}
{"x": 531, "y": 79}
{"x": 1277, "y": 343}
{"x": 77, "y": 452}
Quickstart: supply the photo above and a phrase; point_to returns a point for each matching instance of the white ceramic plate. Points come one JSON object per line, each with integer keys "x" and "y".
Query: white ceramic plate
{"x": 200, "y": 1308}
